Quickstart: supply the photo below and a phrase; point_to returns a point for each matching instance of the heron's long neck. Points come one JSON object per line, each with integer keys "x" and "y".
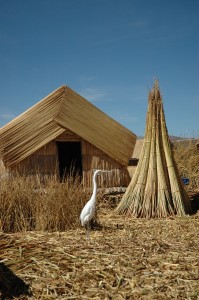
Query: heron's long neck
{"x": 94, "y": 188}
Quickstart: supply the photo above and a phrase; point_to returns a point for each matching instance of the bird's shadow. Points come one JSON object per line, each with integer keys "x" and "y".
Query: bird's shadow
{"x": 96, "y": 226}
{"x": 11, "y": 286}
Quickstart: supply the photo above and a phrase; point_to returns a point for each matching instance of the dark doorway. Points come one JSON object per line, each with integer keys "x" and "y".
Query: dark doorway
{"x": 70, "y": 159}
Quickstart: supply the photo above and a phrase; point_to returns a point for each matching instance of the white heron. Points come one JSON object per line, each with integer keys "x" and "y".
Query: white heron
{"x": 89, "y": 209}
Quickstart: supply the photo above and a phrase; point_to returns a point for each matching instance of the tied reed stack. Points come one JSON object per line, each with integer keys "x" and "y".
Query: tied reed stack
{"x": 156, "y": 189}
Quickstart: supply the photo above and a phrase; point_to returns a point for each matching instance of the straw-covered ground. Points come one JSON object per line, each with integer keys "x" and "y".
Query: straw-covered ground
{"x": 125, "y": 259}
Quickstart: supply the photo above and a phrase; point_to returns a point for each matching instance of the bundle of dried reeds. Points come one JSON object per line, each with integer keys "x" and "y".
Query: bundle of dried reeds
{"x": 156, "y": 189}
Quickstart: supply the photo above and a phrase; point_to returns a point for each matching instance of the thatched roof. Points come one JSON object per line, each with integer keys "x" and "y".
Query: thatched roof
{"x": 64, "y": 109}
{"x": 138, "y": 148}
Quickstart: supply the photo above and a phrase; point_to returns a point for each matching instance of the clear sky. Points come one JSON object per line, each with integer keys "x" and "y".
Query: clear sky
{"x": 109, "y": 51}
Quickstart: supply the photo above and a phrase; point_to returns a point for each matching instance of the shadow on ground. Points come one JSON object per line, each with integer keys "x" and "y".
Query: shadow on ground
{"x": 11, "y": 286}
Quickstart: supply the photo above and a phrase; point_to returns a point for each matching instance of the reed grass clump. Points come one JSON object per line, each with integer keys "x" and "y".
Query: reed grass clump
{"x": 187, "y": 159}
{"x": 37, "y": 203}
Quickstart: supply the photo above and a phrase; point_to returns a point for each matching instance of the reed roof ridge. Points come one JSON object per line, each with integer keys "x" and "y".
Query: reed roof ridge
{"x": 60, "y": 104}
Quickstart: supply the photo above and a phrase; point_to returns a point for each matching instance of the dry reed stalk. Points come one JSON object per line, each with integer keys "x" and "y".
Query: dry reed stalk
{"x": 164, "y": 196}
{"x": 156, "y": 189}
{"x": 151, "y": 183}
{"x": 180, "y": 199}
{"x": 137, "y": 186}
{"x": 36, "y": 203}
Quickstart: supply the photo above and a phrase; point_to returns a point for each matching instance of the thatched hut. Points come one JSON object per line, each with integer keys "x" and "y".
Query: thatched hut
{"x": 64, "y": 131}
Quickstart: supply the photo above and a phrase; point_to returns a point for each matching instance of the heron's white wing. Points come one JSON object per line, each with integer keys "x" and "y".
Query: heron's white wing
{"x": 87, "y": 212}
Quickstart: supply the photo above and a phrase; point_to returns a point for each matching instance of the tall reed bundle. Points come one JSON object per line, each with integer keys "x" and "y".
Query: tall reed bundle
{"x": 156, "y": 189}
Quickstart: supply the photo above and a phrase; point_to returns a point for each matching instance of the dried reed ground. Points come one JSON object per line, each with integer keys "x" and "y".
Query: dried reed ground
{"x": 127, "y": 259}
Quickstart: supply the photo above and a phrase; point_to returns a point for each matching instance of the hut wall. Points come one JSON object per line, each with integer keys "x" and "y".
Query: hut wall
{"x": 45, "y": 161}
{"x": 68, "y": 136}
{"x": 93, "y": 158}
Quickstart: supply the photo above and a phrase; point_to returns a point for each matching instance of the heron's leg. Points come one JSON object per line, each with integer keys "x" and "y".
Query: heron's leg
{"x": 88, "y": 229}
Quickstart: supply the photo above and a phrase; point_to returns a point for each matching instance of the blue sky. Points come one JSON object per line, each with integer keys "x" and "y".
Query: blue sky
{"x": 109, "y": 51}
